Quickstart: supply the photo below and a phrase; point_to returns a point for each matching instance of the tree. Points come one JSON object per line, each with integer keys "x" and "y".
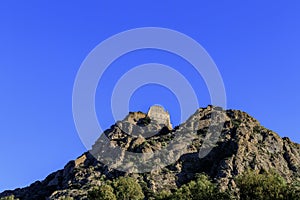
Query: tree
{"x": 123, "y": 188}
{"x": 267, "y": 186}
{"x": 12, "y": 197}
{"x": 104, "y": 192}
{"x": 201, "y": 188}
{"x": 293, "y": 191}
{"x": 127, "y": 188}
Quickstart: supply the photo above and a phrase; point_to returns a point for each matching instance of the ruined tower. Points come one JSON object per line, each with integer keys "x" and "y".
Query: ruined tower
{"x": 159, "y": 114}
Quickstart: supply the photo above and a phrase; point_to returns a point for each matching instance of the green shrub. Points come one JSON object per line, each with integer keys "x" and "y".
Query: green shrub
{"x": 66, "y": 198}
{"x": 202, "y": 188}
{"x": 12, "y": 197}
{"x": 267, "y": 186}
{"x": 123, "y": 188}
{"x": 163, "y": 195}
{"x": 148, "y": 193}
{"x": 127, "y": 188}
{"x": 104, "y": 192}
{"x": 293, "y": 191}
{"x": 251, "y": 185}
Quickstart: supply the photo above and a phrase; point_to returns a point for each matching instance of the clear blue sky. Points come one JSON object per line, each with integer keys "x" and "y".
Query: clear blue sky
{"x": 255, "y": 44}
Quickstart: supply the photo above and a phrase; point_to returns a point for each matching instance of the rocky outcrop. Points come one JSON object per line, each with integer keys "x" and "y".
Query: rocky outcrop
{"x": 220, "y": 143}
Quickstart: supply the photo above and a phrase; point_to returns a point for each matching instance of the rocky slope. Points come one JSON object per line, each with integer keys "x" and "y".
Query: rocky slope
{"x": 220, "y": 143}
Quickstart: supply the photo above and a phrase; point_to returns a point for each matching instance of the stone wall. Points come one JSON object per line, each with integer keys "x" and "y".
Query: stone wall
{"x": 159, "y": 114}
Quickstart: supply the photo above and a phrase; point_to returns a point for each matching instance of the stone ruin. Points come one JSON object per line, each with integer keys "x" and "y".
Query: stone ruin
{"x": 159, "y": 114}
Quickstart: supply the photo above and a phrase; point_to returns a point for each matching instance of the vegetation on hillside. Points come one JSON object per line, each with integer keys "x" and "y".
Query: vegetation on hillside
{"x": 267, "y": 185}
{"x": 250, "y": 186}
{"x": 123, "y": 188}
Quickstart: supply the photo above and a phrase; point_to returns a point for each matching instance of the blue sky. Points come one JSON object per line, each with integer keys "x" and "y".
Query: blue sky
{"x": 255, "y": 44}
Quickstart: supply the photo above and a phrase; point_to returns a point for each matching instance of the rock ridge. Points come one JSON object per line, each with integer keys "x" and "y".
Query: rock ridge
{"x": 243, "y": 144}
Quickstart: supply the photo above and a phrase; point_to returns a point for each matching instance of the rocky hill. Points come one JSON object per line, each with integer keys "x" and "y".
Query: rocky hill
{"x": 219, "y": 143}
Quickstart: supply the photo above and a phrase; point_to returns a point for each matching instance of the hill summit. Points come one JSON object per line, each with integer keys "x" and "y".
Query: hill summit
{"x": 145, "y": 147}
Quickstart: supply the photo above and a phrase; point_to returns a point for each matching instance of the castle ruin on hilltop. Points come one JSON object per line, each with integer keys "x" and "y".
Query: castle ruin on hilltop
{"x": 159, "y": 114}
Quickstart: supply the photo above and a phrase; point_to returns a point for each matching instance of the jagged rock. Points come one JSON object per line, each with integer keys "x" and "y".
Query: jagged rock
{"x": 242, "y": 144}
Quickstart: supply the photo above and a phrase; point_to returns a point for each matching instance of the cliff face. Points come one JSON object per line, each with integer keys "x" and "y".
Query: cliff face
{"x": 220, "y": 143}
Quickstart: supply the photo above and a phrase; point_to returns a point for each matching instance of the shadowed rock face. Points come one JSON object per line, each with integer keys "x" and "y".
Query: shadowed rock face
{"x": 243, "y": 144}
